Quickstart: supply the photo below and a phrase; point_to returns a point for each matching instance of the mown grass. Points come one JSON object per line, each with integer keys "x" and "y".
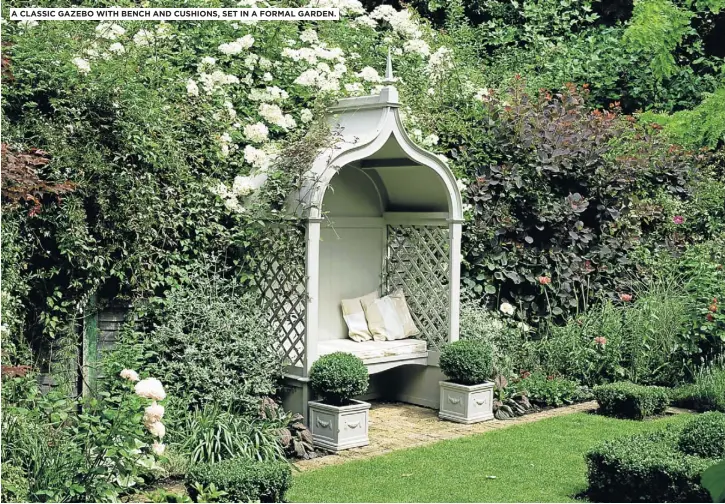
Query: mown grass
{"x": 537, "y": 462}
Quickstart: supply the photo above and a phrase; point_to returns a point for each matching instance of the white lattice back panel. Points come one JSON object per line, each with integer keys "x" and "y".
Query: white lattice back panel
{"x": 417, "y": 261}
{"x": 281, "y": 279}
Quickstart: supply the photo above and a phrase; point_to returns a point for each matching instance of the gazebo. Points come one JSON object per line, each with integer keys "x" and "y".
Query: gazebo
{"x": 379, "y": 213}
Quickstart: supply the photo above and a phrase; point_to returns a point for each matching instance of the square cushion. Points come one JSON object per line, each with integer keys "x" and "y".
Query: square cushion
{"x": 401, "y": 306}
{"x": 383, "y": 319}
{"x": 354, "y": 316}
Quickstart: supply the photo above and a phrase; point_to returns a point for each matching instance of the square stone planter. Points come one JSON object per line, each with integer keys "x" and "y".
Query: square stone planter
{"x": 466, "y": 403}
{"x": 337, "y": 428}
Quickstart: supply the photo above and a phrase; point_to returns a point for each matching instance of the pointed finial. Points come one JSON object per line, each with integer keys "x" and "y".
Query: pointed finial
{"x": 389, "y": 80}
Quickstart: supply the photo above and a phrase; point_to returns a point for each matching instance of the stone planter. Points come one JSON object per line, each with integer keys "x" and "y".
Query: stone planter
{"x": 466, "y": 403}
{"x": 337, "y": 428}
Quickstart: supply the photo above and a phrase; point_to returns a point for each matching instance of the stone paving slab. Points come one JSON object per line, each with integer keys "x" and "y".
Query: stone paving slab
{"x": 396, "y": 426}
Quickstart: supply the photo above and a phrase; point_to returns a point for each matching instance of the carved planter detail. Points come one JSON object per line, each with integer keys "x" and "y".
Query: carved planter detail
{"x": 466, "y": 403}
{"x": 337, "y": 428}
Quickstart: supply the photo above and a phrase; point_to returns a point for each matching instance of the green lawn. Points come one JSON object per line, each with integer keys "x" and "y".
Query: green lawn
{"x": 537, "y": 462}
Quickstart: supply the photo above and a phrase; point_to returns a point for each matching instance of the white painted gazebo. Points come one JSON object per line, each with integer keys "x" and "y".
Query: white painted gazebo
{"x": 379, "y": 213}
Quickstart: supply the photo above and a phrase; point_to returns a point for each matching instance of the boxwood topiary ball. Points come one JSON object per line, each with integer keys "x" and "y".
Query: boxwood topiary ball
{"x": 467, "y": 362}
{"x": 338, "y": 377}
{"x": 704, "y": 436}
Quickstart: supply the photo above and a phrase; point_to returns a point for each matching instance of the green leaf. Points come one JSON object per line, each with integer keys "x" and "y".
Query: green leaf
{"x": 713, "y": 479}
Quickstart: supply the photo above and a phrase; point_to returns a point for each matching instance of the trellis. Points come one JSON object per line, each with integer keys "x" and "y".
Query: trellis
{"x": 417, "y": 261}
{"x": 281, "y": 280}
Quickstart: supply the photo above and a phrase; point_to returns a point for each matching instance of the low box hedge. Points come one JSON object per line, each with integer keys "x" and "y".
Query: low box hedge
{"x": 244, "y": 480}
{"x": 704, "y": 436}
{"x": 627, "y": 400}
{"x": 645, "y": 468}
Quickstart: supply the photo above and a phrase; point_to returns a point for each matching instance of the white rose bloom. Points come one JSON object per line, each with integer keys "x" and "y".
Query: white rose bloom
{"x": 208, "y": 60}
{"x": 417, "y": 46}
{"x": 369, "y": 74}
{"x": 462, "y": 184}
{"x": 158, "y": 448}
{"x": 191, "y": 88}
{"x": 150, "y": 388}
{"x": 308, "y": 78}
{"x": 256, "y": 157}
{"x": 232, "y": 203}
{"x": 129, "y": 374}
{"x": 153, "y": 413}
{"x": 246, "y": 41}
{"x": 117, "y": 48}
{"x": 82, "y": 65}
{"x": 274, "y": 115}
{"x": 157, "y": 429}
{"x": 242, "y": 186}
{"x": 306, "y": 115}
{"x": 507, "y": 308}
{"x": 250, "y": 61}
{"x": 264, "y": 63}
{"x": 430, "y": 140}
{"x": 231, "y": 48}
{"x": 365, "y": 21}
{"x": 309, "y": 36}
{"x": 110, "y": 31}
{"x": 267, "y": 77}
{"x": 257, "y": 132}
{"x": 143, "y": 38}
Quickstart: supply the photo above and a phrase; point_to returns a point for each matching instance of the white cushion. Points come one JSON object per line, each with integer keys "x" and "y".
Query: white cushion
{"x": 354, "y": 316}
{"x": 401, "y": 307}
{"x": 371, "y": 350}
{"x": 383, "y": 320}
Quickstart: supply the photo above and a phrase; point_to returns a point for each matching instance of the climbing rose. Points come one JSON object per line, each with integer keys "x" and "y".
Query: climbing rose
{"x": 678, "y": 219}
{"x": 544, "y": 280}
{"x": 157, "y": 429}
{"x": 709, "y": 317}
{"x": 625, "y": 297}
{"x": 129, "y": 374}
{"x": 153, "y": 413}
{"x": 150, "y": 388}
{"x": 158, "y": 448}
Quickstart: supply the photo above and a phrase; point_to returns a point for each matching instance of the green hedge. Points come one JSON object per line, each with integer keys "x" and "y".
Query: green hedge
{"x": 627, "y": 400}
{"x": 707, "y": 393}
{"x": 244, "y": 480}
{"x": 704, "y": 436}
{"x": 645, "y": 468}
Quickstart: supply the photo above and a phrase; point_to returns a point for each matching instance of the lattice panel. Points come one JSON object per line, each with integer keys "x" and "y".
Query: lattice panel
{"x": 281, "y": 278}
{"x": 417, "y": 261}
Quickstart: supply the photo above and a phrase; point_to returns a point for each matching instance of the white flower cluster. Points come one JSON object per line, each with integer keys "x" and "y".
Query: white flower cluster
{"x": 237, "y": 46}
{"x": 440, "y": 63}
{"x": 482, "y": 95}
{"x": 150, "y": 388}
{"x": 257, "y": 132}
{"x": 82, "y": 64}
{"x": 417, "y": 46}
{"x": 242, "y": 186}
{"x": 268, "y": 95}
{"x": 216, "y": 80}
{"x": 273, "y": 114}
{"x": 110, "y": 31}
{"x": 399, "y": 20}
{"x": 226, "y": 145}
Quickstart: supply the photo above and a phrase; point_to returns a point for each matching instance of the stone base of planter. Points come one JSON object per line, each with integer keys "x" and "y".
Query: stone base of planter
{"x": 466, "y": 403}
{"x": 337, "y": 428}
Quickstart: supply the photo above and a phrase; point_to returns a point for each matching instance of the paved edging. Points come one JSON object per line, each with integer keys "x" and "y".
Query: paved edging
{"x": 397, "y": 426}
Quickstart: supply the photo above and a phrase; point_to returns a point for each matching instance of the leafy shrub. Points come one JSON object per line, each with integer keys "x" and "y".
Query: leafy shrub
{"x": 210, "y": 434}
{"x": 572, "y": 218}
{"x": 243, "y": 480}
{"x": 15, "y": 487}
{"x": 645, "y": 468}
{"x": 338, "y": 377}
{"x": 467, "y": 362}
{"x": 213, "y": 344}
{"x": 550, "y": 390}
{"x": 704, "y": 436}
{"x": 512, "y": 348}
{"x": 91, "y": 450}
{"x": 643, "y": 338}
{"x": 628, "y": 400}
{"x": 707, "y": 393}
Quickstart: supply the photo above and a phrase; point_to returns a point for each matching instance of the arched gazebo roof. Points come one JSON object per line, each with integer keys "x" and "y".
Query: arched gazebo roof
{"x": 370, "y": 135}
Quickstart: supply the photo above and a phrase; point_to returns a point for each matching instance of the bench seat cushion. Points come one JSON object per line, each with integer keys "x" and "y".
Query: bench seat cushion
{"x": 374, "y": 351}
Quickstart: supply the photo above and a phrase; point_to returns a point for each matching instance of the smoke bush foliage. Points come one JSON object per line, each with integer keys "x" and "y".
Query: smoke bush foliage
{"x": 213, "y": 344}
